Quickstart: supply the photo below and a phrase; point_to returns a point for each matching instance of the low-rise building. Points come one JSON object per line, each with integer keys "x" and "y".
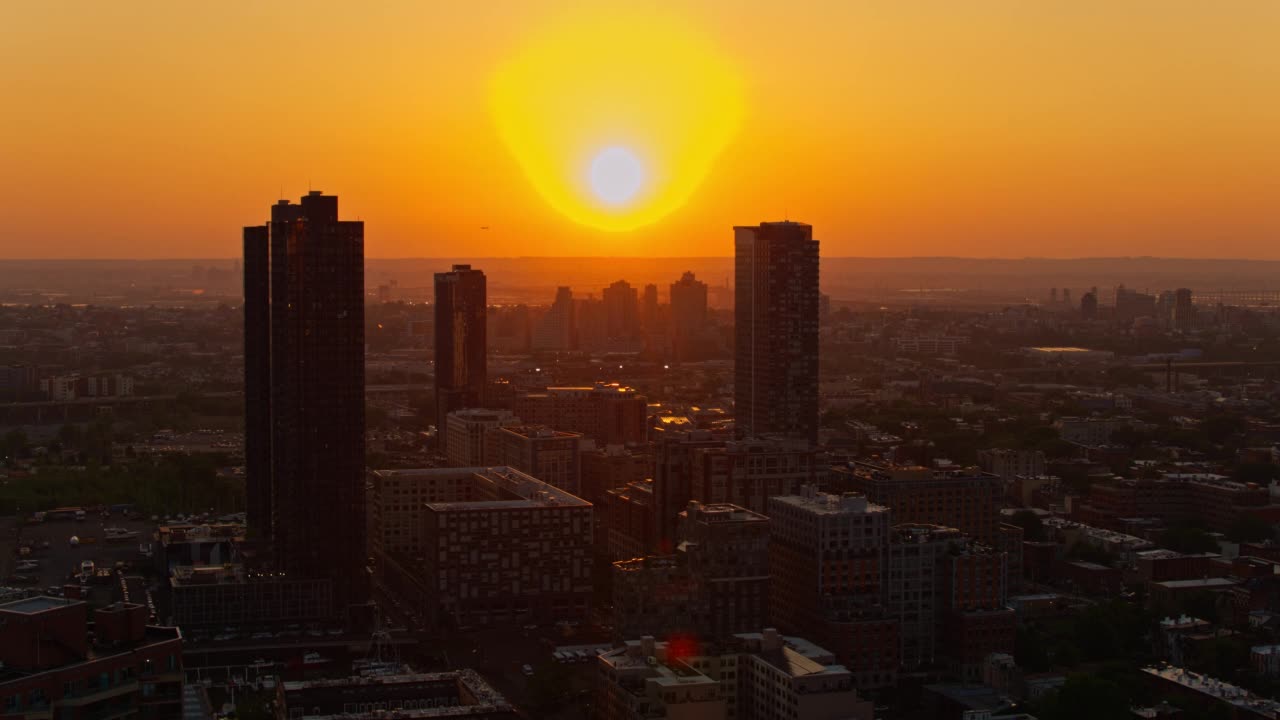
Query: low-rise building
{"x": 1204, "y": 692}
{"x": 216, "y": 596}
{"x": 1265, "y": 659}
{"x": 508, "y": 549}
{"x": 612, "y": 466}
{"x": 453, "y": 694}
{"x": 468, "y": 442}
{"x": 751, "y": 676}
{"x": 57, "y": 663}
{"x": 714, "y": 585}
{"x": 547, "y": 454}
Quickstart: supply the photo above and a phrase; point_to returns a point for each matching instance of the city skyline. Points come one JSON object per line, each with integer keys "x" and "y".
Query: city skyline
{"x": 724, "y": 359}
{"x": 919, "y": 136}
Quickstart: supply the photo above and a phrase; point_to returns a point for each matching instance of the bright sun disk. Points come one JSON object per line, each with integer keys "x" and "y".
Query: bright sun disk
{"x": 616, "y": 175}
{"x": 610, "y": 132}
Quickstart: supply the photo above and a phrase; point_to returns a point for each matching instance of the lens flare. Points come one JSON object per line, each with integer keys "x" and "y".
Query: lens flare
{"x": 617, "y": 118}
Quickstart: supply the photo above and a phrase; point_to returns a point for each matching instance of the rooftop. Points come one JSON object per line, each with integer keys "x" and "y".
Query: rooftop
{"x": 538, "y": 431}
{"x": 722, "y": 512}
{"x": 1198, "y": 583}
{"x": 886, "y": 470}
{"x": 516, "y": 489}
{"x": 820, "y": 503}
{"x": 1224, "y": 691}
{"x": 37, "y": 604}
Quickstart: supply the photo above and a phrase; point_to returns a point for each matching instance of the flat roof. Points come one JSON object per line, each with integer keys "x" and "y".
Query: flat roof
{"x": 1200, "y": 582}
{"x": 37, "y": 604}
{"x": 830, "y": 504}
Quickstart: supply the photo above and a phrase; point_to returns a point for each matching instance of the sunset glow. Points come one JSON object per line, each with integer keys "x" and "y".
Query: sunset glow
{"x": 616, "y": 118}
{"x": 1006, "y": 128}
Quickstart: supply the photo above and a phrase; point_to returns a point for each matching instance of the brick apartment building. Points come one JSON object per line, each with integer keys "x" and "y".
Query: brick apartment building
{"x": 547, "y": 454}
{"x": 963, "y": 498}
{"x": 750, "y": 676}
{"x": 498, "y": 547}
{"x": 715, "y": 585}
{"x": 828, "y": 556}
{"x": 608, "y": 414}
{"x": 55, "y": 662}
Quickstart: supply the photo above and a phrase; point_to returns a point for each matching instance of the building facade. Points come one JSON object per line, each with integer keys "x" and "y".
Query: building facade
{"x": 517, "y": 551}
{"x": 610, "y": 414}
{"x": 750, "y": 676}
{"x": 460, "y": 342}
{"x": 314, "y": 404}
{"x": 55, "y": 662}
{"x": 827, "y": 557}
{"x": 776, "y": 330}
{"x": 963, "y": 498}
{"x": 714, "y": 585}
{"x": 470, "y": 441}
{"x": 549, "y": 455}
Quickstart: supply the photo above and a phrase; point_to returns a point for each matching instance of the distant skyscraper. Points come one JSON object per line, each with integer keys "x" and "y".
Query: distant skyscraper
{"x": 304, "y": 383}
{"x": 1089, "y": 304}
{"x": 649, "y": 308}
{"x": 257, "y": 380}
{"x": 556, "y": 329}
{"x": 688, "y": 305}
{"x": 1131, "y": 304}
{"x": 1184, "y": 310}
{"x": 460, "y": 343}
{"x": 776, "y": 330}
{"x": 621, "y": 307}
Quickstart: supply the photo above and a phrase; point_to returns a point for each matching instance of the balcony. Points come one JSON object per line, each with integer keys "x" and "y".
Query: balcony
{"x": 90, "y": 696}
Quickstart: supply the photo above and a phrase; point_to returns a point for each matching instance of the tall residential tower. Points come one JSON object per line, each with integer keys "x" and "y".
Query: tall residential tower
{"x": 776, "y": 330}
{"x": 304, "y": 393}
{"x": 460, "y": 342}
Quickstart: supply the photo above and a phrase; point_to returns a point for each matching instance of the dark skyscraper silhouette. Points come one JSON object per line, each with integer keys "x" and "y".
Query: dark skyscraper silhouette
{"x": 621, "y": 307}
{"x": 649, "y": 309}
{"x": 1184, "y": 310}
{"x": 257, "y": 379}
{"x": 460, "y": 342}
{"x": 1089, "y": 304}
{"x": 309, "y": 392}
{"x": 776, "y": 330}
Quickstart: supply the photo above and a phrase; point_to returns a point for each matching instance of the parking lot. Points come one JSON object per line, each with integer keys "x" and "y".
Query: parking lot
{"x": 58, "y": 561}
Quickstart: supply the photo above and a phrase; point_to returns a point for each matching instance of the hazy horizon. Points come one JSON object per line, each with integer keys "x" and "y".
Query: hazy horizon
{"x": 1038, "y": 258}
{"x": 1145, "y": 128}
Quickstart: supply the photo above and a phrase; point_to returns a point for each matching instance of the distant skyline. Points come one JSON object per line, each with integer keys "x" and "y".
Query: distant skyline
{"x": 998, "y": 129}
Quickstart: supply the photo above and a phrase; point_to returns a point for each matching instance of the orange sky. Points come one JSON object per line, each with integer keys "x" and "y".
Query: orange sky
{"x": 904, "y": 127}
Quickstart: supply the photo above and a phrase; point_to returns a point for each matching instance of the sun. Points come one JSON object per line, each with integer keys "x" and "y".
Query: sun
{"x": 617, "y": 118}
{"x": 616, "y": 175}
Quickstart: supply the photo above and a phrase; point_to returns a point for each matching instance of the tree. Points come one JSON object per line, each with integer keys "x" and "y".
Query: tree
{"x": 548, "y": 688}
{"x": 1220, "y": 428}
{"x": 14, "y": 444}
{"x": 1189, "y": 540}
{"x": 71, "y": 436}
{"x": 1249, "y": 528}
{"x": 1222, "y": 657}
{"x": 1031, "y": 524}
{"x": 1260, "y": 473}
{"x": 1030, "y": 650}
{"x": 1087, "y": 696}
{"x": 1088, "y": 552}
